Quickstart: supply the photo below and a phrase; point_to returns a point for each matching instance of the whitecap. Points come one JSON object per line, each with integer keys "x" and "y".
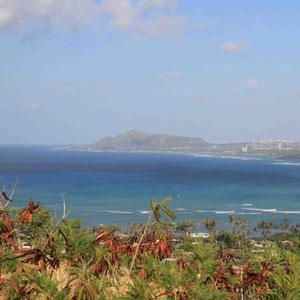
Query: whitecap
{"x": 286, "y": 163}
{"x": 261, "y": 209}
{"x": 145, "y": 211}
{"x": 204, "y": 155}
{"x": 287, "y": 212}
{"x": 117, "y": 212}
{"x": 180, "y": 209}
{"x": 240, "y": 157}
{"x": 246, "y": 204}
{"x": 225, "y": 212}
{"x": 216, "y": 155}
{"x": 249, "y": 213}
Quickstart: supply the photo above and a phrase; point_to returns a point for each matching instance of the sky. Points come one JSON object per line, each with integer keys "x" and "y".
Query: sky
{"x": 74, "y": 71}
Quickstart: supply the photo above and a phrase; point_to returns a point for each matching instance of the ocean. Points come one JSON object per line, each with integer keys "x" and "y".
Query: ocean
{"x": 116, "y": 188}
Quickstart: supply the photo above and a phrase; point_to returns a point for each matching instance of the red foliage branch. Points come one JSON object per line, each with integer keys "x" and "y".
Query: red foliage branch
{"x": 27, "y": 212}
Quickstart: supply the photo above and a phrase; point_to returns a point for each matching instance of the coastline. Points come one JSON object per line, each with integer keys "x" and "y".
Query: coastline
{"x": 249, "y": 155}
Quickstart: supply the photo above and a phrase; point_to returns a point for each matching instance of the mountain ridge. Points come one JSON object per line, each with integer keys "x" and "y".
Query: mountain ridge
{"x": 136, "y": 140}
{"x": 141, "y": 141}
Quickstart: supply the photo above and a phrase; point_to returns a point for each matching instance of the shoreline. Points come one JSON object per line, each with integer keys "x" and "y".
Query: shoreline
{"x": 248, "y": 155}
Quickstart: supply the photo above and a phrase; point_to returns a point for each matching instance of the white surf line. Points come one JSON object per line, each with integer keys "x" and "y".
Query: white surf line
{"x": 261, "y": 209}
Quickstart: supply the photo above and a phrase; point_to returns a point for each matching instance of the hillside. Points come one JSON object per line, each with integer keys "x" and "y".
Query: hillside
{"x": 140, "y": 141}
{"x": 135, "y": 140}
{"x": 45, "y": 258}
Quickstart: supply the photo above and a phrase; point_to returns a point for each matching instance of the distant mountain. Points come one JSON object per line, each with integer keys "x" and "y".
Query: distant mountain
{"x": 140, "y": 141}
{"x": 135, "y": 140}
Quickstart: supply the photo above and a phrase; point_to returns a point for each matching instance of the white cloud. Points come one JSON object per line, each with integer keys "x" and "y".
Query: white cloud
{"x": 145, "y": 19}
{"x": 233, "y": 47}
{"x": 146, "y": 5}
{"x": 16, "y": 14}
{"x": 65, "y": 82}
{"x": 95, "y": 84}
{"x": 252, "y": 85}
{"x": 234, "y": 92}
{"x": 141, "y": 19}
{"x": 197, "y": 98}
{"x": 32, "y": 107}
{"x": 288, "y": 95}
{"x": 169, "y": 27}
{"x": 121, "y": 12}
{"x": 163, "y": 77}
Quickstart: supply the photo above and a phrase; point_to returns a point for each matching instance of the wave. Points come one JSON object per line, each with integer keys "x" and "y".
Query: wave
{"x": 217, "y": 211}
{"x": 229, "y": 156}
{"x": 287, "y": 163}
{"x": 246, "y": 204}
{"x": 204, "y": 155}
{"x": 287, "y": 212}
{"x": 145, "y": 211}
{"x": 249, "y": 213}
{"x": 110, "y": 211}
{"x": 117, "y": 212}
{"x": 240, "y": 157}
{"x": 261, "y": 209}
{"x": 180, "y": 209}
{"x": 234, "y": 157}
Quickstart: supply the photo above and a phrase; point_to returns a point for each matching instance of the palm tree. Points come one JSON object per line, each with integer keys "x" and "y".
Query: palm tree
{"x": 210, "y": 226}
{"x": 284, "y": 226}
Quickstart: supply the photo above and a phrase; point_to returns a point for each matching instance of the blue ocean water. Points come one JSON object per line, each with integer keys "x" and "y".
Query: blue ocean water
{"x": 115, "y": 188}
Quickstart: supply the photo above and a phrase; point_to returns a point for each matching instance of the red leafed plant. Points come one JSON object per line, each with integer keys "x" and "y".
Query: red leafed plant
{"x": 38, "y": 259}
{"x": 102, "y": 236}
{"x": 7, "y": 227}
{"x": 178, "y": 295}
{"x": 181, "y": 294}
{"x": 27, "y": 212}
{"x": 35, "y": 258}
{"x": 248, "y": 279}
{"x": 225, "y": 257}
{"x": 221, "y": 280}
{"x": 141, "y": 273}
{"x": 161, "y": 246}
{"x": 109, "y": 257}
{"x": 20, "y": 291}
{"x": 181, "y": 264}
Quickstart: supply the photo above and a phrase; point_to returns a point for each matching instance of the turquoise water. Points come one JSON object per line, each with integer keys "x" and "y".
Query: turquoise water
{"x": 109, "y": 188}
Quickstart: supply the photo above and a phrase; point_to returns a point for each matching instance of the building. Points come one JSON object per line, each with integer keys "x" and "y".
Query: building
{"x": 203, "y": 235}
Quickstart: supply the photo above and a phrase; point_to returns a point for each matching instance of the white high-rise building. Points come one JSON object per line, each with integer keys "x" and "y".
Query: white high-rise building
{"x": 245, "y": 149}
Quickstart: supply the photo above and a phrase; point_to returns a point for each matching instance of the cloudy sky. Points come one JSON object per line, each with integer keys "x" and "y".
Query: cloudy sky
{"x": 73, "y": 71}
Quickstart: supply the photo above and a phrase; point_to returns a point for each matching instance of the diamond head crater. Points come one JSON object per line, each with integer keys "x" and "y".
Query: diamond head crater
{"x": 141, "y": 141}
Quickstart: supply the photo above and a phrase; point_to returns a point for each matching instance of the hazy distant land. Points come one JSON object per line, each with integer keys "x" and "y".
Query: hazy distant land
{"x": 140, "y": 141}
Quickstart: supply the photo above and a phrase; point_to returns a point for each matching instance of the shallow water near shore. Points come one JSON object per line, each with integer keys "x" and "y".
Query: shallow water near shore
{"x": 115, "y": 188}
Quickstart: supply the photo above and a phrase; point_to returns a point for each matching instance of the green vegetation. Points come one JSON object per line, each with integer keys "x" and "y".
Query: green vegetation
{"x": 135, "y": 140}
{"x": 45, "y": 258}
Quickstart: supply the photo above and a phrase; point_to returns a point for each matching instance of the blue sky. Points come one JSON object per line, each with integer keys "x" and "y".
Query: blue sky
{"x": 74, "y": 71}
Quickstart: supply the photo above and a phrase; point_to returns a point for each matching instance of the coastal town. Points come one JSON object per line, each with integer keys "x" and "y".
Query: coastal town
{"x": 140, "y": 141}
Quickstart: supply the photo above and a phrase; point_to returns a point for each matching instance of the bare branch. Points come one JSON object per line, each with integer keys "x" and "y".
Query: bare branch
{"x": 139, "y": 244}
{"x": 3, "y": 194}
{"x": 9, "y": 199}
{"x": 64, "y": 204}
{"x": 65, "y": 214}
{"x": 69, "y": 211}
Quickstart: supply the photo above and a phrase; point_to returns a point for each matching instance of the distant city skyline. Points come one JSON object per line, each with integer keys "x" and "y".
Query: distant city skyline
{"x": 75, "y": 71}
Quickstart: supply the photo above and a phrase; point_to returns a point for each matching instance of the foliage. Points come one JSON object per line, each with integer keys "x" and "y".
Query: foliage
{"x": 44, "y": 258}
